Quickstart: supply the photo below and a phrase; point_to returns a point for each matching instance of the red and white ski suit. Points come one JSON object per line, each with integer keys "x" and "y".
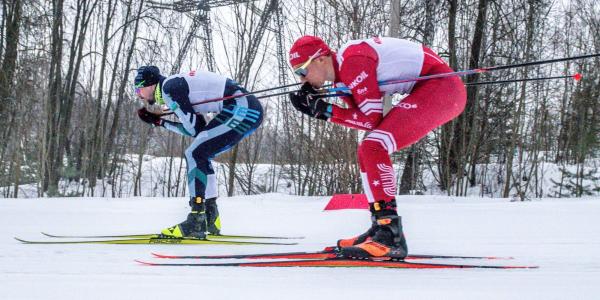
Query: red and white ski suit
{"x": 359, "y": 65}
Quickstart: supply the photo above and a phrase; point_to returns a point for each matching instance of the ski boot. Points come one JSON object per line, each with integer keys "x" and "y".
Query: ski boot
{"x": 385, "y": 238}
{"x": 194, "y": 226}
{"x": 359, "y": 238}
{"x": 213, "y": 221}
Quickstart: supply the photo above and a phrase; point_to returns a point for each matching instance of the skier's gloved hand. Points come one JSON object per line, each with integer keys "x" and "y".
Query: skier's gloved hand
{"x": 307, "y": 101}
{"x": 300, "y": 99}
{"x": 149, "y": 117}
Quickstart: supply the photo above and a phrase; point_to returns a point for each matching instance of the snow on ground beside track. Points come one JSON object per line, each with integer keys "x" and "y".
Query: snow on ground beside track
{"x": 560, "y": 236}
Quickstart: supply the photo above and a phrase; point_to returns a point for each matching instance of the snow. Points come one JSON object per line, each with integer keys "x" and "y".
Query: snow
{"x": 562, "y": 236}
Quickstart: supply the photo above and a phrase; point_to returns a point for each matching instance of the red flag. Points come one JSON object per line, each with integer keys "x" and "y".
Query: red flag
{"x": 348, "y": 201}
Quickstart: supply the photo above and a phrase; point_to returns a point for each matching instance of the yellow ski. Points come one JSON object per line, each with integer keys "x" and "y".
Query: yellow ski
{"x": 148, "y": 236}
{"x": 155, "y": 240}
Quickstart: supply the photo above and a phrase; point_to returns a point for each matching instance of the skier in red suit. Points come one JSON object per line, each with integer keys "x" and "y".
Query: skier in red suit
{"x": 359, "y": 65}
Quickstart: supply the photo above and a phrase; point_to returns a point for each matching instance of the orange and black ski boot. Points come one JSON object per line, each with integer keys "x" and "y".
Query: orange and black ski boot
{"x": 357, "y": 239}
{"x": 385, "y": 238}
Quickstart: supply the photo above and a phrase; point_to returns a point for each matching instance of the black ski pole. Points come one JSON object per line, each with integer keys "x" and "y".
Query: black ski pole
{"x": 249, "y": 93}
{"x": 421, "y": 78}
{"x": 474, "y": 71}
{"x": 576, "y": 76}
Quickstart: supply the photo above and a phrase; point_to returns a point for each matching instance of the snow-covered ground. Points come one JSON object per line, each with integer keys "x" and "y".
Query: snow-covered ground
{"x": 562, "y": 236}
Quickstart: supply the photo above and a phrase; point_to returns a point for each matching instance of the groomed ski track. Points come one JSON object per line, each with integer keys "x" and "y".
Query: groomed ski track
{"x": 561, "y": 236}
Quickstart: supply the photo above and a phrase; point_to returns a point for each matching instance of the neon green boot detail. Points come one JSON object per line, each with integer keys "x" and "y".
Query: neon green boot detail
{"x": 213, "y": 219}
{"x": 173, "y": 231}
{"x": 215, "y": 228}
{"x": 195, "y": 224}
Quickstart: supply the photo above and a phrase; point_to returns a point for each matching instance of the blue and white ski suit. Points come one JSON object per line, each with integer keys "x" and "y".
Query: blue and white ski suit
{"x": 236, "y": 118}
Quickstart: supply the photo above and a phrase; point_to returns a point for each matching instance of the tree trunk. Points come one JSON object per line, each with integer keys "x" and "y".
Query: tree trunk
{"x": 123, "y": 84}
{"x": 467, "y": 129}
{"x": 448, "y": 149}
{"x": 7, "y": 71}
{"x": 51, "y": 163}
{"x": 243, "y": 72}
{"x": 516, "y": 139}
{"x": 99, "y": 127}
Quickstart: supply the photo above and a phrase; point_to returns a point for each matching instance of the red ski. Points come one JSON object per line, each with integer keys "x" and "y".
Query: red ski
{"x": 328, "y": 252}
{"x": 339, "y": 263}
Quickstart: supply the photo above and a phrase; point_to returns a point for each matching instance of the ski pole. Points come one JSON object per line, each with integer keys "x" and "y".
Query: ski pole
{"x": 576, "y": 77}
{"x": 249, "y": 93}
{"x": 276, "y": 94}
{"x": 475, "y": 71}
{"x": 166, "y": 111}
{"x": 393, "y": 81}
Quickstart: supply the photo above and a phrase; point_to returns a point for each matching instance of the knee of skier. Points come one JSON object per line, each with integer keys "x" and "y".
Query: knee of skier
{"x": 196, "y": 154}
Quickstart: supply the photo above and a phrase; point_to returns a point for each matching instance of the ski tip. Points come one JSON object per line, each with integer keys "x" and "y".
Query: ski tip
{"x": 144, "y": 263}
{"x": 22, "y": 240}
{"x": 158, "y": 255}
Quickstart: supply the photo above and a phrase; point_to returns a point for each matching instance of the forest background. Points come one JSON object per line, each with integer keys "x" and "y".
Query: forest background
{"x": 69, "y": 127}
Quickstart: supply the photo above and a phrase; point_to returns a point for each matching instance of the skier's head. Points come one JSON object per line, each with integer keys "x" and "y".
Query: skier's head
{"x": 145, "y": 82}
{"x": 311, "y": 59}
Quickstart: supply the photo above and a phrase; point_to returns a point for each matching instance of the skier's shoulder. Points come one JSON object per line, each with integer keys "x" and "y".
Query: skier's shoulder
{"x": 184, "y": 77}
{"x": 374, "y": 45}
{"x": 357, "y": 49}
{"x": 174, "y": 84}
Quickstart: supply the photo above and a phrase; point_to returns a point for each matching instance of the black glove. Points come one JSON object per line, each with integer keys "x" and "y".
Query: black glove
{"x": 307, "y": 101}
{"x": 149, "y": 117}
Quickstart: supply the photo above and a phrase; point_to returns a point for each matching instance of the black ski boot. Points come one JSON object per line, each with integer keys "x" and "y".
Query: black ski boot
{"x": 385, "y": 238}
{"x": 195, "y": 224}
{"x": 213, "y": 221}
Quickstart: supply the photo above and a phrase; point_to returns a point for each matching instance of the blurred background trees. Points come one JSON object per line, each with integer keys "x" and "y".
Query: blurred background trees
{"x": 67, "y": 105}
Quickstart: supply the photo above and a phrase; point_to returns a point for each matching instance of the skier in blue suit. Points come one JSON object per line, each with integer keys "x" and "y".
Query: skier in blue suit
{"x": 236, "y": 119}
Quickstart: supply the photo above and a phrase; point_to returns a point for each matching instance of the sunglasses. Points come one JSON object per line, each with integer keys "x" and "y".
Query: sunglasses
{"x": 302, "y": 71}
{"x": 138, "y": 87}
